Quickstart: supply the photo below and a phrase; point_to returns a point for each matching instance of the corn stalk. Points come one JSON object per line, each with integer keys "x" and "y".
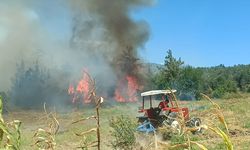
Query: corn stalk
{"x": 45, "y": 138}
{"x": 183, "y": 131}
{"x": 223, "y": 134}
{"x": 9, "y": 132}
{"x": 97, "y": 101}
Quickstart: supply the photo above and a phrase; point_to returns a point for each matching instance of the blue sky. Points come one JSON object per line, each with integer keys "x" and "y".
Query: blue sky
{"x": 201, "y": 32}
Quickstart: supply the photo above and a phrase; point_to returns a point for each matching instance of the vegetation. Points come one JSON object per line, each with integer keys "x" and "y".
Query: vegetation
{"x": 223, "y": 122}
{"x": 10, "y": 134}
{"x": 5, "y": 99}
{"x": 45, "y": 138}
{"x": 34, "y": 86}
{"x": 97, "y": 100}
{"x": 123, "y": 133}
{"x": 232, "y": 109}
{"x": 216, "y": 82}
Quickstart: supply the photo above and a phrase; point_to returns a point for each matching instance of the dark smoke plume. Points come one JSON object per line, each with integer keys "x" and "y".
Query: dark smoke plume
{"x": 119, "y": 35}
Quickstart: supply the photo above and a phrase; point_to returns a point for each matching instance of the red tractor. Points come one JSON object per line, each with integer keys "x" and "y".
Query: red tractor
{"x": 164, "y": 112}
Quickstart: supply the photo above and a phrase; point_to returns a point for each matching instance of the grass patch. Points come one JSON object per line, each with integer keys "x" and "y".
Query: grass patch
{"x": 235, "y": 111}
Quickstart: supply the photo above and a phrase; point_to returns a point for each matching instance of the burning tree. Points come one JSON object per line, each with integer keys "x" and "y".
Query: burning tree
{"x": 112, "y": 37}
{"x": 81, "y": 91}
{"x": 127, "y": 69}
{"x": 128, "y": 84}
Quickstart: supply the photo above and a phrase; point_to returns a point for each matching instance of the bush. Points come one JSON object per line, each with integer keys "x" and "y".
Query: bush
{"x": 232, "y": 95}
{"x": 5, "y": 101}
{"x": 177, "y": 139}
{"x": 33, "y": 86}
{"x": 248, "y": 88}
{"x": 123, "y": 132}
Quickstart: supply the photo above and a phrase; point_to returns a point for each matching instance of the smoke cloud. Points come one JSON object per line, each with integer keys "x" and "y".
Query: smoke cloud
{"x": 19, "y": 36}
{"x": 110, "y": 26}
{"x": 99, "y": 35}
{"x": 106, "y": 29}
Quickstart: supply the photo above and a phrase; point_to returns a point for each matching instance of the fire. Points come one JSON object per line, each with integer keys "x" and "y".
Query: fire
{"x": 81, "y": 92}
{"x": 132, "y": 88}
{"x": 71, "y": 91}
{"x": 127, "y": 90}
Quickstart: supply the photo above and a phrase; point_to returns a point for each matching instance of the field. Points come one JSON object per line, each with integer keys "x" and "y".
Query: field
{"x": 235, "y": 110}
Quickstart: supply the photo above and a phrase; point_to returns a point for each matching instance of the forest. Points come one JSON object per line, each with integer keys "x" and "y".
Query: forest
{"x": 217, "y": 82}
{"x": 34, "y": 85}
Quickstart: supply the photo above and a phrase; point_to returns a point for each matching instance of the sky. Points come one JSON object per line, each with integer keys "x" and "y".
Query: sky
{"x": 200, "y": 32}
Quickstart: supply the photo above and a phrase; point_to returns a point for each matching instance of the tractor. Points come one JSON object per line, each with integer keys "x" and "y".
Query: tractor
{"x": 164, "y": 112}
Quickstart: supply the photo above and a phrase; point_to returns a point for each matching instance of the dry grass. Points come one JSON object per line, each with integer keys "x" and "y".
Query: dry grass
{"x": 44, "y": 138}
{"x": 235, "y": 112}
{"x": 220, "y": 126}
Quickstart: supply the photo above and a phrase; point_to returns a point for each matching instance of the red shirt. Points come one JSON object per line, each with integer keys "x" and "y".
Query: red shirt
{"x": 163, "y": 104}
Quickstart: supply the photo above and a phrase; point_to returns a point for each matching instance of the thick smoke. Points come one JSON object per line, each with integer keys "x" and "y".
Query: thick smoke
{"x": 103, "y": 38}
{"x": 109, "y": 26}
{"x": 113, "y": 16}
{"x": 19, "y": 38}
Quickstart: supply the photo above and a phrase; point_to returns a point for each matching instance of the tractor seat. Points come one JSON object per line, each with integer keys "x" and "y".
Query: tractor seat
{"x": 153, "y": 112}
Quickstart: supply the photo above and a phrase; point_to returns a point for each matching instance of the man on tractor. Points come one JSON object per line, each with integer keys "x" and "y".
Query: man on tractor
{"x": 165, "y": 113}
{"x": 164, "y": 102}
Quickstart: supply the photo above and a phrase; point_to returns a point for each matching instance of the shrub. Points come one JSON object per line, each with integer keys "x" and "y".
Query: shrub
{"x": 5, "y": 101}
{"x": 123, "y": 132}
{"x": 35, "y": 85}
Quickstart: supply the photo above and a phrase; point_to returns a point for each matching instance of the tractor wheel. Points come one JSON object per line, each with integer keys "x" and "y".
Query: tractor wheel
{"x": 195, "y": 123}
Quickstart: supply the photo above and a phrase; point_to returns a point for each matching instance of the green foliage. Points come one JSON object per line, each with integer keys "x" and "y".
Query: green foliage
{"x": 123, "y": 132}
{"x": 220, "y": 82}
{"x": 235, "y": 95}
{"x": 172, "y": 70}
{"x": 190, "y": 81}
{"x": 247, "y": 124}
{"x": 177, "y": 139}
{"x": 220, "y": 146}
{"x": 5, "y": 100}
{"x": 10, "y": 133}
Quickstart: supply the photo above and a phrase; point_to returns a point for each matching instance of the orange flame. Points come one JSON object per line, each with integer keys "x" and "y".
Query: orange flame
{"x": 81, "y": 91}
{"x": 128, "y": 93}
{"x": 71, "y": 91}
{"x": 132, "y": 88}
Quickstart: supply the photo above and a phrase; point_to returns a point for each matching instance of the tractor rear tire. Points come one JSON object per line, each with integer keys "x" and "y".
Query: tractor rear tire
{"x": 170, "y": 118}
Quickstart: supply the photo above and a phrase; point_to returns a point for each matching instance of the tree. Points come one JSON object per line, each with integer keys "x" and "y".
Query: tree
{"x": 191, "y": 82}
{"x": 215, "y": 81}
{"x": 219, "y": 81}
{"x": 33, "y": 86}
{"x": 171, "y": 71}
